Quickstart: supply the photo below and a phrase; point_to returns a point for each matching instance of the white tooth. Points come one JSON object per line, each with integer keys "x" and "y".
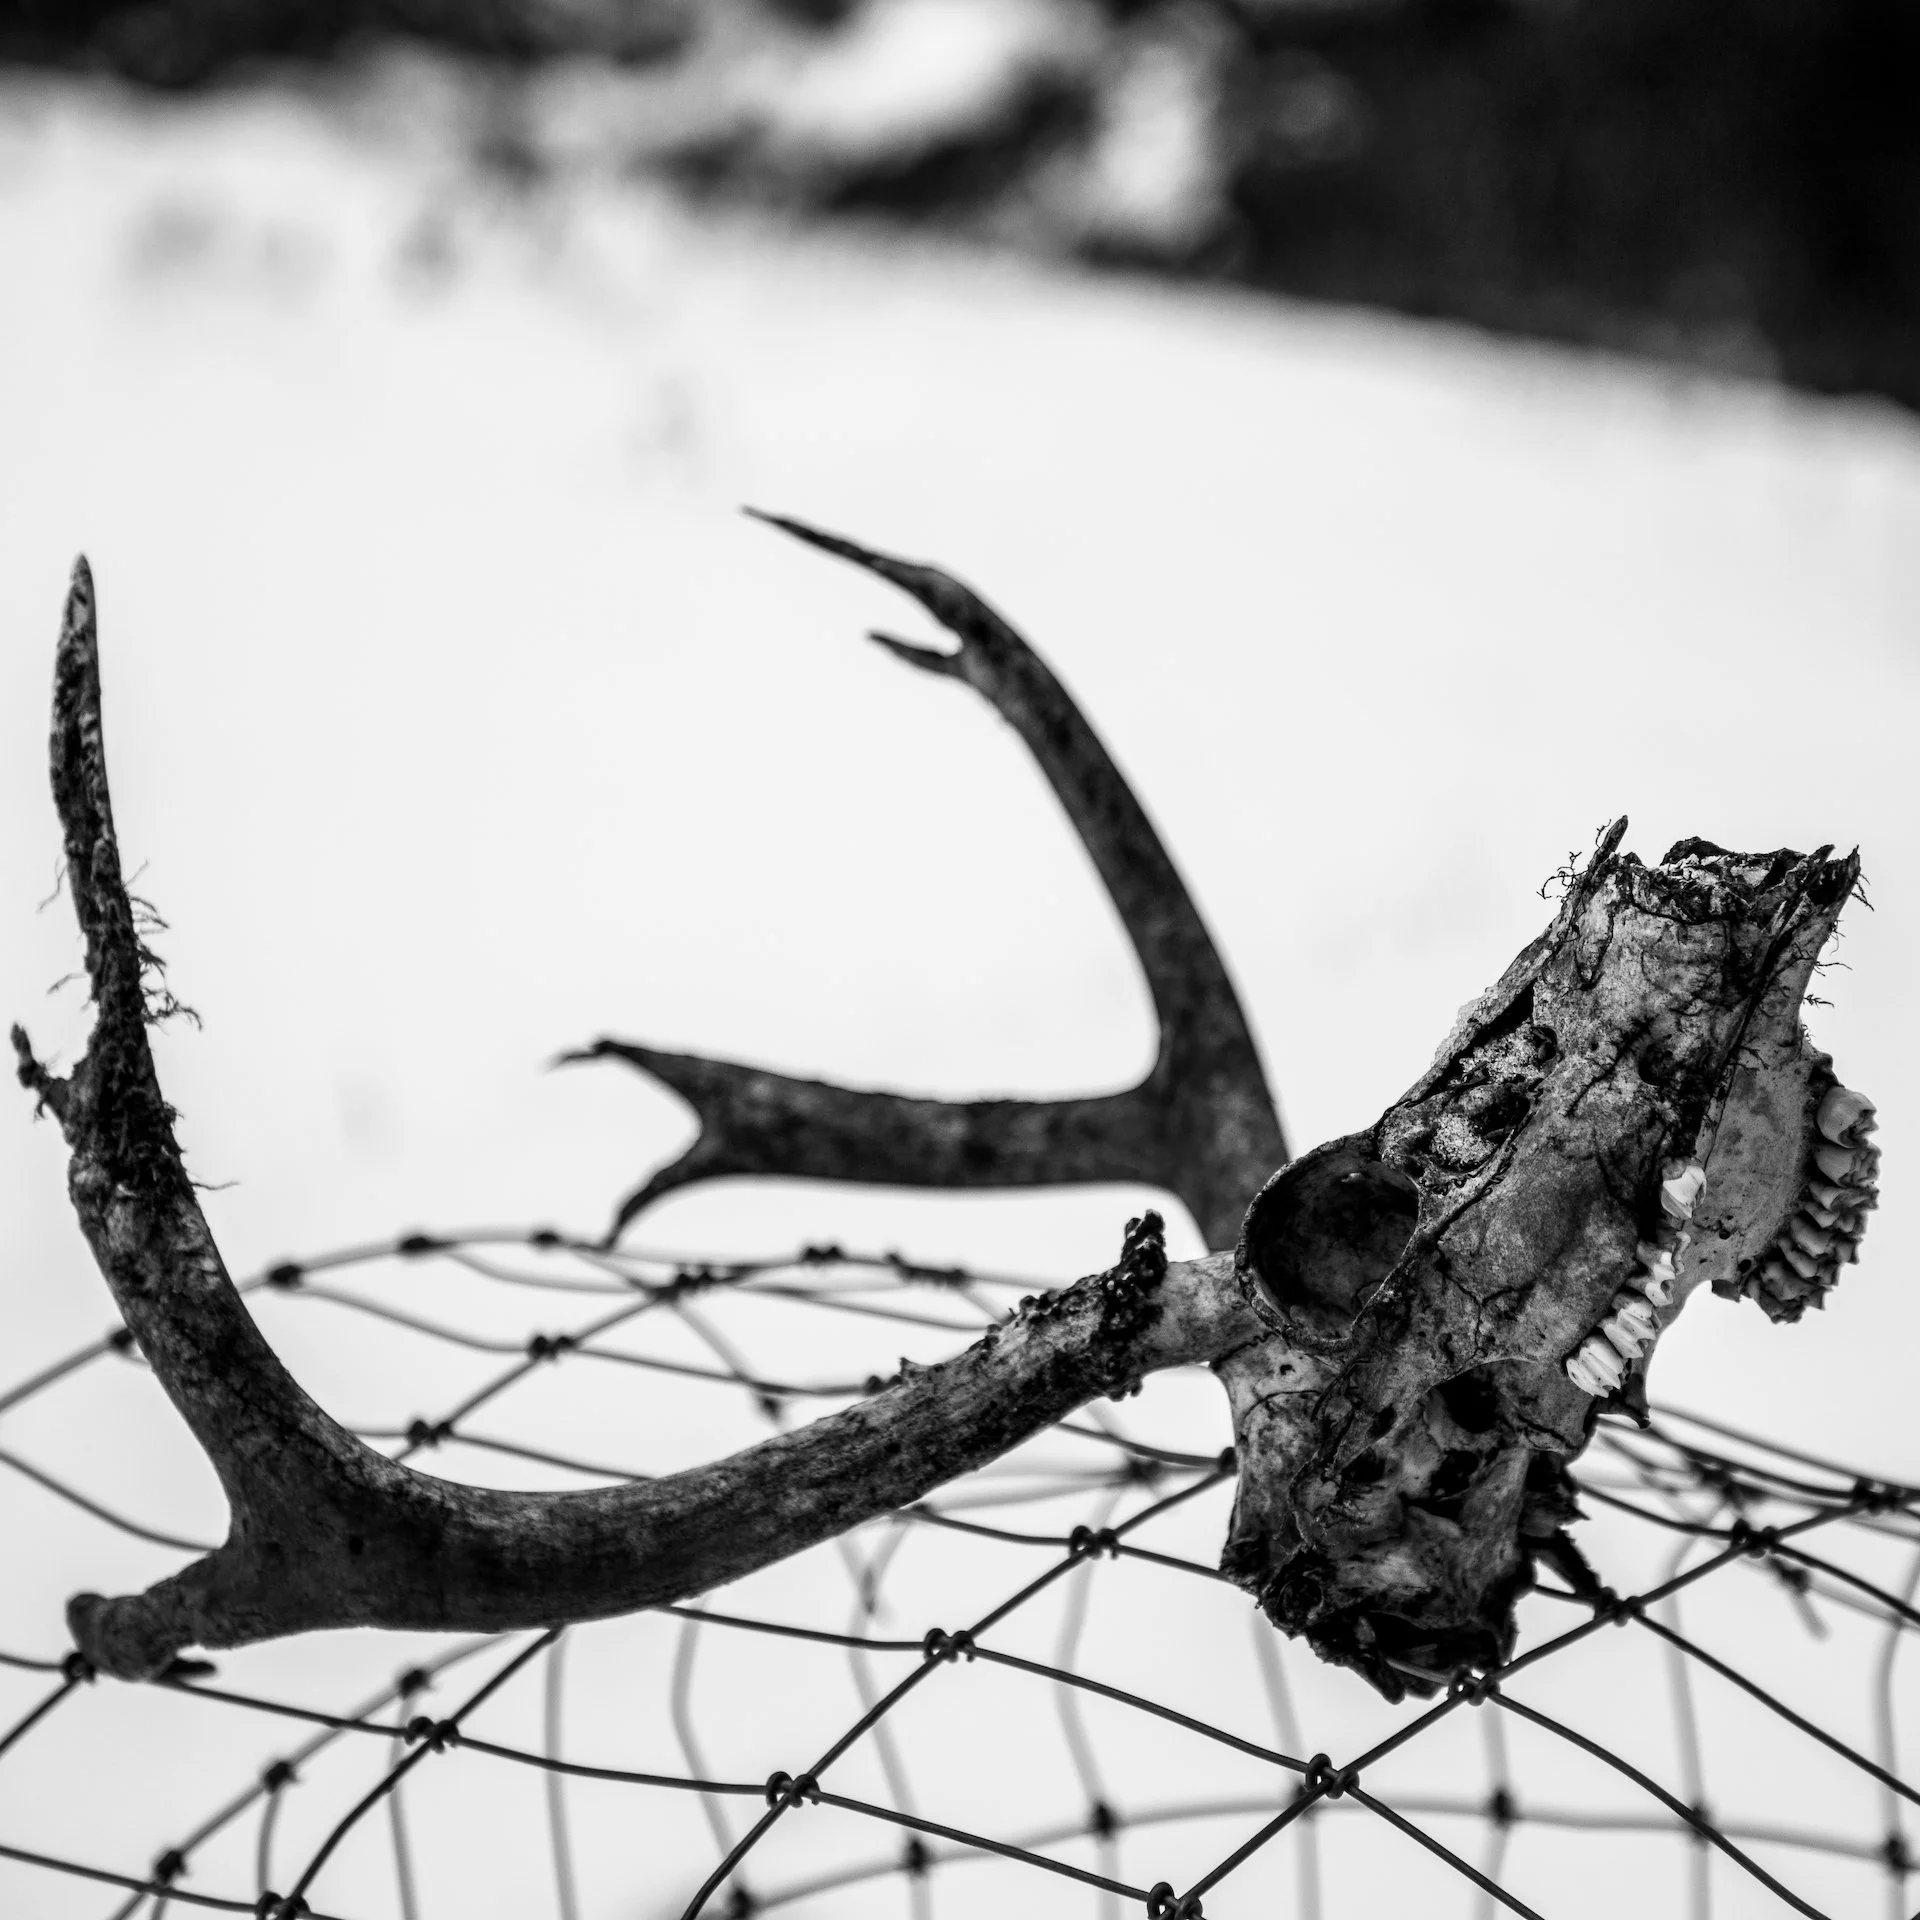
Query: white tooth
{"x": 1845, "y": 1116}
{"x": 1677, "y": 1195}
{"x": 1826, "y": 1195}
{"x": 1601, "y": 1357}
{"x": 1798, "y": 1261}
{"x": 1819, "y": 1215}
{"x": 1837, "y": 1163}
{"x": 1847, "y": 1165}
{"x": 1635, "y": 1311}
{"x": 1658, "y": 1261}
{"x": 1809, "y": 1237}
{"x": 1657, "y": 1288}
{"x": 1626, "y": 1345}
{"x": 1630, "y": 1329}
{"x": 1584, "y": 1377}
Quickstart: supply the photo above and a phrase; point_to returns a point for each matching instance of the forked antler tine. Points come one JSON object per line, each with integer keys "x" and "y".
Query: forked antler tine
{"x": 327, "y": 1532}
{"x": 1202, "y": 1124}
{"x": 753, "y": 1121}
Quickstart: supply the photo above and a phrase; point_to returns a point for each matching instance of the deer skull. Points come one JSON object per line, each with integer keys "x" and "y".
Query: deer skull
{"x": 1633, "y": 1111}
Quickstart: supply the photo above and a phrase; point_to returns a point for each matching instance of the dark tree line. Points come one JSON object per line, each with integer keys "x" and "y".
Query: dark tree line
{"x": 1730, "y": 183}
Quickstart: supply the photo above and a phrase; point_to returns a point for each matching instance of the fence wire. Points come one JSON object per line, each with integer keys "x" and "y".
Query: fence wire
{"x": 1684, "y": 1500}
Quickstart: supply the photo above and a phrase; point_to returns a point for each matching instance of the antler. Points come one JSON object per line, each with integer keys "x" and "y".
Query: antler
{"x": 1415, "y": 1332}
{"x": 325, "y": 1531}
{"x": 1202, "y": 1124}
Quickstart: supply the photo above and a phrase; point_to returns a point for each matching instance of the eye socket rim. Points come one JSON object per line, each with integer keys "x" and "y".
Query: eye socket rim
{"x": 1308, "y": 1257}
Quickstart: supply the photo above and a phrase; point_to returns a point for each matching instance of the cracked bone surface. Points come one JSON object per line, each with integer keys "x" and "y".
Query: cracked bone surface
{"x": 1392, "y": 1330}
{"x": 1403, "y": 1445}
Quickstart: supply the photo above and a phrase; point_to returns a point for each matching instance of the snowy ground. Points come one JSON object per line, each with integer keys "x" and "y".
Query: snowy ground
{"x": 457, "y": 718}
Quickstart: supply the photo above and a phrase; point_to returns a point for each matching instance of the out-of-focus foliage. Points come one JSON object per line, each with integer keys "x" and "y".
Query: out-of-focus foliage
{"x": 1733, "y": 183}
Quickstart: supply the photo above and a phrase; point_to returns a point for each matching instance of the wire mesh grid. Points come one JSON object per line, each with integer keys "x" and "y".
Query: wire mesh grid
{"x": 1183, "y": 1759}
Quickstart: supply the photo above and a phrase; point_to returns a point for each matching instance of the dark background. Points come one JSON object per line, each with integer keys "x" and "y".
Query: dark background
{"x": 1724, "y": 183}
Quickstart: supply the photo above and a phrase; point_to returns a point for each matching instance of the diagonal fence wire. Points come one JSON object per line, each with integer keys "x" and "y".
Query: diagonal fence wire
{"x": 1817, "y": 1531}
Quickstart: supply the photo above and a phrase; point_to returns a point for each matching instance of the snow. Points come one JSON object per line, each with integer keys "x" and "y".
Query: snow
{"x": 457, "y": 717}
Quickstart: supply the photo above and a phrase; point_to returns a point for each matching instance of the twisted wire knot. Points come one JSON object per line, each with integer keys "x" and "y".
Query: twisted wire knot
{"x": 1324, "y": 1778}
{"x": 1164, "y": 1904}
{"x": 784, "y": 1790}
{"x": 1758, "y": 1541}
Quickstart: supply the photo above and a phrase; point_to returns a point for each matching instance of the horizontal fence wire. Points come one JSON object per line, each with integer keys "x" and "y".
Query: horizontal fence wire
{"x": 1720, "y": 1497}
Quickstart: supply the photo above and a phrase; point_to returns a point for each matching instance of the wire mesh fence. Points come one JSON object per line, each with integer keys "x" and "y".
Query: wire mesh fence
{"x": 1031, "y": 1691}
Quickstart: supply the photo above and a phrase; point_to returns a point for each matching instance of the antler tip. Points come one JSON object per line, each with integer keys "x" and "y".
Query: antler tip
{"x": 927, "y": 659}
{"x": 785, "y": 522}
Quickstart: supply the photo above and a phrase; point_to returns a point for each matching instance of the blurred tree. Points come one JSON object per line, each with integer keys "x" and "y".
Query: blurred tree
{"x": 1732, "y": 183}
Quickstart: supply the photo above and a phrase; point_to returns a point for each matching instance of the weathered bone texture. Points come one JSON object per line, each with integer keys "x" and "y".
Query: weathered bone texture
{"x": 1403, "y": 1444}
{"x": 1392, "y": 1331}
{"x": 1201, "y": 1124}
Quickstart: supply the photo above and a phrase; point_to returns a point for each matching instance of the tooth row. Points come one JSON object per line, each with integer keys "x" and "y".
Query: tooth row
{"x": 1823, "y": 1235}
{"x": 1599, "y": 1363}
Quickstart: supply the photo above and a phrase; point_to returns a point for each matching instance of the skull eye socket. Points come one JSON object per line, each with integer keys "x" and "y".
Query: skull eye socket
{"x": 1323, "y": 1234}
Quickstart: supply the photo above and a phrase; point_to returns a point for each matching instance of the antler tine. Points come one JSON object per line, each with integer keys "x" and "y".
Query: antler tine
{"x": 1202, "y": 1124}
{"x": 1413, "y": 1333}
{"x": 328, "y": 1532}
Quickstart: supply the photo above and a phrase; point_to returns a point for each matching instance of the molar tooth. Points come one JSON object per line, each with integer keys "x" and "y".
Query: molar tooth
{"x": 1584, "y": 1377}
{"x": 1656, "y": 1287}
{"x": 1658, "y": 1261}
{"x": 1821, "y": 1216}
{"x": 1808, "y": 1236}
{"x": 1837, "y": 1163}
{"x": 1845, "y": 1117}
{"x": 1826, "y": 1195}
{"x": 1786, "y": 1282}
{"x": 1791, "y": 1254}
{"x": 1601, "y": 1358}
{"x": 1679, "y": 1193}
{"x": 1631, "y": 1327}
{"x": 1631, "y": 1307}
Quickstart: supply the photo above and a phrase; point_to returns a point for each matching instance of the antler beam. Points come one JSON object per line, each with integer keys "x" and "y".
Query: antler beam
{"x": 325, "y": 1531}
{"x": 1415, "y": 1331}
{"x": 1202, "y": 1124}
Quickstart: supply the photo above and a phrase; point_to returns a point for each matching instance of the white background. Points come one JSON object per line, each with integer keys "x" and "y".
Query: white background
{"x": 456, "y": 718}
